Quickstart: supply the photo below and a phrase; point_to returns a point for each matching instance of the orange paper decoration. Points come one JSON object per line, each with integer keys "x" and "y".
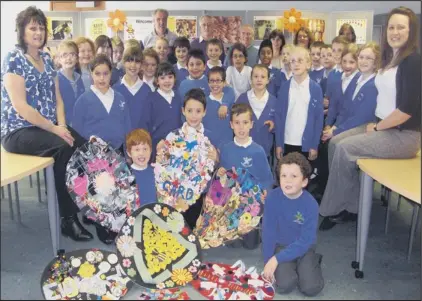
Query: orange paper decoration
{"x": 116, "y": 21}
{"x": 292, "y": 20}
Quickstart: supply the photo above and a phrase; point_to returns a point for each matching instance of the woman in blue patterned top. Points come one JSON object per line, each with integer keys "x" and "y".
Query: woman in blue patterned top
{"x": 32, "y": 111}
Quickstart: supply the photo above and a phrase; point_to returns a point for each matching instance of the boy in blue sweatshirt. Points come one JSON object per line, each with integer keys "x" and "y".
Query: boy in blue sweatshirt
{"x": 317, "y": 70}
{"x": 139, "y": 147}
{"x": 242, "y": 152}
{"x": 289, "y": 231}
{"x": 196, "y": 79}
{"x": 214, "y": 48}
{"x": 181, "y": 48}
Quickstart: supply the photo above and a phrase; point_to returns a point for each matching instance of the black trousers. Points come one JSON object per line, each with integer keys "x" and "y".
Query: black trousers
{"x": 322, "y": 165}
{"x": 38, "y": 142}
{"x": 294, "y": 148}
{"x": 192, "y": 214}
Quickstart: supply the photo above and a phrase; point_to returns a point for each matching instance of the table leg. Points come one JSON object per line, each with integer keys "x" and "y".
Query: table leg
{"x": 365, "y": 204}
{"x": 18, "y": 206}
{"x": 52, "y": 209}
{"x": 387, "y": 216}
{"x": 39, "y": 187}
{"x": 415, "y": 216}
{"x": 2, "y": 192}
{"x": 30, "y": 181}
{"x": 9, "y": 192}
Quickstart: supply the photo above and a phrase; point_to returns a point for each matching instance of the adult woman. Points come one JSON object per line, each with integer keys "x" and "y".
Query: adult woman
{"x": 396, "y": 135}
{"x": 32, "y": 116}
{"x": 278, "y": 41}
{"x": 348, "y": 32}
{"x": 303, "y": 38}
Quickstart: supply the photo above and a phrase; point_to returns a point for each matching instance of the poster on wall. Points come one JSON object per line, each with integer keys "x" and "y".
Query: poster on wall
{"x": 264, "y": 25}
{"x": 317, "y": 28}
{"x": 60, "y": 28}
{"x": 359, "y": 25}
{"x": 227, "y": 29}
{"x": 95, "y": 27}
{"x": 137, "y": 28}
{"x": 183, "y": 26}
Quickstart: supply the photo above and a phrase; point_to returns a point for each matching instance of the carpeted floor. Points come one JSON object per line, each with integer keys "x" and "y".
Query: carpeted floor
{"x": 26, "y": 250}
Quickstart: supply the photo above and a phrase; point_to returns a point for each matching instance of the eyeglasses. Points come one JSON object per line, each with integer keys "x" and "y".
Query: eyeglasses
{"x": 71, "y": 55}
{"x": 365, "y": 58}
{"x": 215, "y": 81}
{"x": 235, "y": 56}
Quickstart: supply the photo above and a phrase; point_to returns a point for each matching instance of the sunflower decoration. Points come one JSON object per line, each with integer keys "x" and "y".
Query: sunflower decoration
{"x": 292, "y": 20}
{"x": 116, "y": 21}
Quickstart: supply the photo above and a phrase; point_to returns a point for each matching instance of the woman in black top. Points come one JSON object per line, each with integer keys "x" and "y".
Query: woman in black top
{"x": 395, "y": 134}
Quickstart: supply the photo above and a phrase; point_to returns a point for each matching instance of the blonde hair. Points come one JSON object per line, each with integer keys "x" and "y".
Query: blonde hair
{"x": 132, "y": 43}
{"x": 301, "y": 50}
{"x": 288, "y": 47}
{"x": 162, "y": 39}
{"x": 81, "y": 40}
{"x": 117, "y": 42}
{"x": 376, "y": 49}
{"x": 352, "y": 49}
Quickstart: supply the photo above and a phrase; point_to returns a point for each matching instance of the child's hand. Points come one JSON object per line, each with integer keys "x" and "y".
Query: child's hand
{"x": 327, "y": 134}
{"x": 326, "y": 102}
{"x": 313, "y": 154}
{"x": 270, "y": 268}
{"x": 221, "y": 171}
{"x": 279, "y": 152}
{"x": 270, "y": 125}
{"x": 222, "y": 112}
{"x": 212, "y": 154}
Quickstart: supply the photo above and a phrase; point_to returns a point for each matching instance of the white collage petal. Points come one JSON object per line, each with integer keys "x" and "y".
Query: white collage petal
{"x": 112, "y": 258}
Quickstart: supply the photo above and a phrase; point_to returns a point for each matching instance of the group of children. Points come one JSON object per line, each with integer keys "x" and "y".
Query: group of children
{"x": 132, "y": 98}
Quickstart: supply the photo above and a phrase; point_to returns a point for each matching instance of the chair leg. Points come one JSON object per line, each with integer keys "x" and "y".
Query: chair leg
{"x": 39, "y": 187}
{"x": 399, "y": 202}
{"x": 415, "y": 217}
{"x": 9, "y": 192}
{"x": 45, "y": 180}
{"x": 387, "y": 217}
{"x": 18, "y": 206}
{"x": 2, "y": 192}
{"x": 30, "y": 181}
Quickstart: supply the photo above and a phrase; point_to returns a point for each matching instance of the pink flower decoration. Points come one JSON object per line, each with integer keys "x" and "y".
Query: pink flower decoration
{"x": 126, "y": 263}
{"x": 80, "y": 185}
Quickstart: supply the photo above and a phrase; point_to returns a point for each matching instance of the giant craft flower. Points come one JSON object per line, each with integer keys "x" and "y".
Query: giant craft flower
{"x": 116, "y": 21}
{"x": 292, "y": 20}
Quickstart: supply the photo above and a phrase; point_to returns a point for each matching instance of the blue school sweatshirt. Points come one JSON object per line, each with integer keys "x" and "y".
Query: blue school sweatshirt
{"x": 252, "y": 158}
{"x": 70, "y": 92}
{"x": 90, "y": 117}
{"x": 317, "y": 75}
{"x": 313, "y": 129}
{"x": 137, "y": 103}
{"x": 291, "y": 223}
{"x": 259, "y": 132}
{"x": 212, "y": 122}
{"x": 275, "y": 81}
{"x": 188, "y": 84}
{"x": 331, "y": 85}
{"x": 146, "y": 184}
{"x": 338, "y": 97}
{"x": 181, "y": 75}
{"x": 359, "y": 110}
{"x": 116, "y": 75}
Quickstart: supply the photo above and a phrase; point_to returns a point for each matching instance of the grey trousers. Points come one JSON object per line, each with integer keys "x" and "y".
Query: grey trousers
{"x": 342, "y": 191}
{"x": 304, "y": 272}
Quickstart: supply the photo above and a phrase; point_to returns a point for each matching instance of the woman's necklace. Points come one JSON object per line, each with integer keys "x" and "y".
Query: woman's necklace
{"x": 37, "y": 60}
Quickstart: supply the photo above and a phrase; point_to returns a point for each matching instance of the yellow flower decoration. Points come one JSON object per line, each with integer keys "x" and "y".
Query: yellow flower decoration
{"x": 86, "y": 270}
{"x": 116, "y": 21}
{"x": 181, "y": 276}
{"x": 292, "y": 20}
{"x": 165, "y": 211}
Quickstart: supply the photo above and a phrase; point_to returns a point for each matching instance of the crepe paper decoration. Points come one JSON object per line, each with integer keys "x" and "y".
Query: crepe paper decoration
{"x": 183, "y": 171}
{"x": 164, "y": 294}
{"x": 116, "y": 21}
{"x": 232, "y": 208}
{"x": 292, "y": 20}
{"x": 89, "y": 274}
{"x": 218, "y": 281}
{"x": 157, "y": 248}
{"x": 101, "y": 184}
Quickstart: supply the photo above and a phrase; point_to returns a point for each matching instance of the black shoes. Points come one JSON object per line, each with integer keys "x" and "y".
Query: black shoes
{"x": 71, "y": 227}
{"x": 87, "y": 221}
{"x": 330, "y": 221}
{"x": 106, "y": 236}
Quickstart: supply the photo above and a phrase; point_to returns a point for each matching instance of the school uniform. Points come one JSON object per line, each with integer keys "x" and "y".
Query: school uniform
{"x": 150, "y": 83}
{"x": 116, "y": 75}
{"x": 252, "y": 157}
{"x": 191, "y": 83}
{"x": 86, "y": 77}
{"x": 275, "y": 80}
{"x": 289, "y": 233}
{"x": 239, "y": 81}
{"x": 212, "y": 122}
{"x": 342, "y": 90}
{"x": 208, "y": 67}
{"x": 145, "y": 181}
{"x": 181, "y": 74}
{"x": 333, "y": 77}
{"x": 263, "y": 109}
{"x": 104, "y": 115}
{"x": 324, "y": 80}
{"x": 299, "y": 115}
{"x": 316, "y": 74}
{"x": 70, "y": 90}
{"x": 284, "y": 77}
{"x": 136, "y": 97}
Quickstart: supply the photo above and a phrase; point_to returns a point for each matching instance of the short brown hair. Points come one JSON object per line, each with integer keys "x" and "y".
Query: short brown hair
{"x": 240, "y": 108}
{"x": 82, "y": 40}
{"x": 340, "y": 40}
{"x": 308, "y": 33}
{"x": 117, "y": 42}
{"x": 152, "y": 53}
{"x": 317, "y": 44}
{"x": 353, "y": 49}
{"x": 28, "y": 15}
{"x": 137, "y": 137}
{"x": 132, "y": 54}
{"x": 298, "y": 159}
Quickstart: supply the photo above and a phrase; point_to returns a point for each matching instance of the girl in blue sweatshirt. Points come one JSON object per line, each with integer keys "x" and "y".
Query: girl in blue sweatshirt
{"x": 263, "y": 106}
{"x": 289, "y": 231}
{"x": 299, "y": 110}
{"x": 139, "y": 147}
{"x": 102, "y": 112}
{"x": 133, "y": 89}
{"x": 266, "y": 56}
{"x": 70, "y": 82}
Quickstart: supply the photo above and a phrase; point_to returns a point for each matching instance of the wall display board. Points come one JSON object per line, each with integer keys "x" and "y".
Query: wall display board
{"x": 137, "y": 28}
{"x": 60, "y": 28}
{"x": 183, "y": 26}
{"x": 359, "y": 25}
{"x": 95, "y": 27}
{"x": 264, "y": 25}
